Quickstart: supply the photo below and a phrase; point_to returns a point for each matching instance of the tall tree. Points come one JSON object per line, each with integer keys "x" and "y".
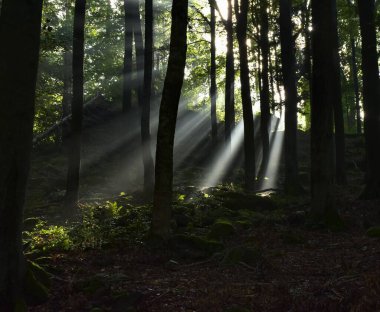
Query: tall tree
{"x": 139, "y": 49}
{"x": 128, "y": 53}
{"x": 72, "y": 186}
{"x": 167, "y": 120}
{"x": 340, "y": 145}
{"x": 292, "y": 184}
{"x": 229, "y": 100}
{"x": 213, "y": 88}
{"x": 322, "y": 138}
{"x": 20, "y": 23}
{"x": 371, "y": 97}
{"x": 264, "y": 91}
{"x": 249, "y": 136}
{"x": 146, "y": 98}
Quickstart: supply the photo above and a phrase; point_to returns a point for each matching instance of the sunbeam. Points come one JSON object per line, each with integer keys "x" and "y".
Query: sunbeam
{"x": 224, "y": 158}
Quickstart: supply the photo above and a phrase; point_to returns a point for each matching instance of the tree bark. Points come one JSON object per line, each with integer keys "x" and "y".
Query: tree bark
{"x": 354, "y": 69}
{"x": 20, "y": 23}
{"x": 292, "y": 185}
{"x": 213, "y": 88}
{"x": 128, "y": 46}
{"x": 371, "y": 97}
{"x": 72, "y": 186}
{"x": 249, "y": 139}
{"x": 322, "y": 138}
{"x": 167, "y": 120}
{"x": 146, "y": 97}
{"x": 230, "y": 78}
{"x": 340, "y": 145}
{"x": 139, "y": 48}
{"x": 264, "y": 93}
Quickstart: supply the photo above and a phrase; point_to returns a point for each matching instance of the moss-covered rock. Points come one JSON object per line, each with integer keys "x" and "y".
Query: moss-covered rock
{"x": 247, "y": 254}
{"x": 205, "y": 246}
{"x": 41, "y": 275}
{"x": 221, "y": 229}
{"x": 374, "y": 231}
{"x": 35, "y": 292}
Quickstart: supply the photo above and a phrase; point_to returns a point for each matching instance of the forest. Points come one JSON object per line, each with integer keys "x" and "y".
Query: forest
{"x": 189, "y": 155}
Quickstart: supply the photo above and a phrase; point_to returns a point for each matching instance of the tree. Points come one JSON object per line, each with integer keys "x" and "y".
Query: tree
{"x": 340, "y": 146}
{"x": 146, "y": 98}
{"x": 292, "y": 184}
{"x": 249, "y": 136}
{"x": 72, "y": 186}
{"x": 20, "y": 23}
{"x": 371, "y": 97}
{"x": 139, "y": 49}
{"x": 322, "y": 164}
{"x": 128, "y": 53}
{"x": 264, "y": 91}
{"x": 213, "y": 88}
{"x": 167, "y": 121}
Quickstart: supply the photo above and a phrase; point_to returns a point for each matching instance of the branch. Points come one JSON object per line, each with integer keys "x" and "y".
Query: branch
{"x": 205, "y": 19}
{"x": 215, "y": 4}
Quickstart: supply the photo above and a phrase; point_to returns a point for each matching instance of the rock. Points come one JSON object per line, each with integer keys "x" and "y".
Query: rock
{"x": 221, "y": 229}
{"x": 205, "y": 246}
{"x": 126, "y": 302}
{"x": 247, "y": 254}
{"x": 373, "y": 231}
{"x": 35, "y": 292}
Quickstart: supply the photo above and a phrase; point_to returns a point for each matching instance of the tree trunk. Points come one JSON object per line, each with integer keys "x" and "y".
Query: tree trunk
{"x": 264, "y": 94}
{"x": 354, "y": 69}
{"x": 230, "y": 78}
{"x": 128, "y": 46}
{"x": 371, "y": 97}
{"x": 167, "y": 120}
{"x": 146, "y": 97}
{"x": 67, "y": 77}
{"x": 139, "y": 48}
{"x": 72, "y": 186}
{"x": 20, "y": 23}
{"x": 249, "y": 138}
{"x": 213, "y": 88}
{"x": 340, "y": 145}
{"x": 322, "y": 138}
{"x": 292, "y": 185}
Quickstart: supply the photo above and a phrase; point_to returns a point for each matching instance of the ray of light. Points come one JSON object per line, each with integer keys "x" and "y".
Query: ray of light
{"x": 276, "y": 146}
{"x": 224, "y": 159}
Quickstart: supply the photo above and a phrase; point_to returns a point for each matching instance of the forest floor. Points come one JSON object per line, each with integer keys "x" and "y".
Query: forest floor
{"x": 230, "y": 251}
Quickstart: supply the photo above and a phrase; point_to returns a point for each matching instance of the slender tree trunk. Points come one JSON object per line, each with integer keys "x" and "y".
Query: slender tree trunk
{"x": 249, "y": 138}
{"x": 230, "y": 78}
{"x": 213, "y": 88}
{"x": 128, "y": 46}
{"x": 147, "y": 94}
{"x": 322, "y": 138}
{"x": 354, "y": 69}
{"x": 292, "y": 184}
{"x": 264, "y": 94}
{"x": 20, "y": 23}
{"x": 72, "y": 186}
{"x": 271, "y": 77}
{"x": 139, "y": 48}
{"x": 371, "y": 97}
{"x": 167, "y": 120}
{"x": 340, "y": 145}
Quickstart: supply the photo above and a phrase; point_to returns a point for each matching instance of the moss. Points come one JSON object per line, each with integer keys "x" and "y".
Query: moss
{"x": 244, "y": 224}
{"x": 20, "y": 306}
{"x": 40, "y": 274}
{"x": 196, "y": 242}
{"x": 373, "y": 231}
{"x": 293, "y": 238}
{"x": 221, "y": 229}
{"x": 35, "y": 292}
{"x": 246, "y": 254}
